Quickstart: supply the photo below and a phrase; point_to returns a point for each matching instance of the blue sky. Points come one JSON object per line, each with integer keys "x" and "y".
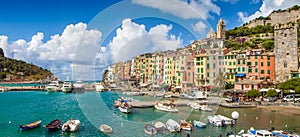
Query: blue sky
{"x": 73, "y": 37}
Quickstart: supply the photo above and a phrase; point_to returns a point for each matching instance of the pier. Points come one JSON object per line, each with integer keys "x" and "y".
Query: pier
{"x": 21, "y": 88}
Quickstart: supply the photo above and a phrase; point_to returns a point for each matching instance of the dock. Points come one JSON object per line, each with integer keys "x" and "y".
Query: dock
{"x": 21, "y": 88}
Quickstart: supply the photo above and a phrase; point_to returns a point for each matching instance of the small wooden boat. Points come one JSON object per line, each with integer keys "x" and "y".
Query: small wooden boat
{"x": 105, "y": 128}
{"x": 160, "y": 126}
{"x": 31, "y": 125}
{"x": 199, "y": 124}
{"x": 53, "y": 126}
{"x": 185, "y": 125}
{"x": 71, "y": 125}
{"x": 150, "y": 129}
{"x": 172, "y": 125}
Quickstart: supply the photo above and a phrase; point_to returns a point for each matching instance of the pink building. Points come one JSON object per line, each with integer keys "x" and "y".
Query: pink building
{"x": 188, "y": 76}
{"x": 246, "y": 85}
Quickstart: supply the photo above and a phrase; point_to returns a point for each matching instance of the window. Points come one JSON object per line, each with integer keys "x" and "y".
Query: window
{"x": 269, "y": 64}
{"x": 250, "y": 70}
{"x": 214, "y": 65}
{"x": 207, "y": 74}
{"x": 243, "y": 69}
{"x": 269, "y": 72}
{"x": 262, "y": 57}
{"x": 268, "y": 57}
{"x": 239, "y": 62}
{"x": 262, "y": 72}
{"x": 207, "y": 66}
{"x": 198, "y": 70}
{"x": 285, "y": 65}
{"x": 229, "y": 63}
{"x": 233, "y": 63}
{"x": 198, "y": 63}
{"x": 256, "y": 63}
{"x": 201, "y": 70}
{"x": 249, "y": 63}
{"x": 230, "y": 70}
{"x": 239, "y": 69}
{"x": 244, "y": 61}
{"x": 197, "y": 58}
{"x": 261, "y": 64}
{"x": 256, "y": 69}
{"x": 255, "y": 56}
{"x": 248, "y": 56}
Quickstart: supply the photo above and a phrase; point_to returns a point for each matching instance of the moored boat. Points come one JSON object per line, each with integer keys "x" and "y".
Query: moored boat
{"x": 67, "y": 87}
{"x": 125, "y": 107}
{"x": 31, "y": 125}
{"x": 160, "y": 126}
{"x": 53, "y": 125}
{"x": 206, "y": 108}
{"x": 215, "y": 120}
{"x": 260, "y": 133}
{"x": 164, "y": 106}
{"x": 195, "y": 105}
{"x": 185, "y": 125}
{"x": 150, "y": 129}
{"x": 172, "y": 125}
{"x": 78, "y": 86}
{"x": 105, "y": 128}
{"x": 71, "y": 125}
{"x": 54, "y": 86}
{"x": 199, "y": 124}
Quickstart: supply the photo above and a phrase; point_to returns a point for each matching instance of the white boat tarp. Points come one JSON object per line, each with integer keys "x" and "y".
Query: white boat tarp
{"x": 178, "y": 87}
{"x": 144, "y": 85}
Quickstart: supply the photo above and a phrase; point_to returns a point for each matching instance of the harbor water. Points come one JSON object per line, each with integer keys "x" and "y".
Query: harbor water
{"x": 94, "y": 109}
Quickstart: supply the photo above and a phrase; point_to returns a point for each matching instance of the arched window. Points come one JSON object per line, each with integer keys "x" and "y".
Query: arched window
{"x": 285, "y": 65}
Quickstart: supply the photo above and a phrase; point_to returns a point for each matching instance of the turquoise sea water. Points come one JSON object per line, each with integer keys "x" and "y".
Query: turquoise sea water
{"x": 94, "y": 109}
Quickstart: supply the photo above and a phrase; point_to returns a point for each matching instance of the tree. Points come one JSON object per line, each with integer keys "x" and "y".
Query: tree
{"x": 272, "y": 93}
{"x": 290, "y": 84}
{"x": 268, "y": 45}
{"x": 253, "y": 93}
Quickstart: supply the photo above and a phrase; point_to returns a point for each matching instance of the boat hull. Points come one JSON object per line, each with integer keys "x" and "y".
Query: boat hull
{"x": 150, "y": 129}
{"x": 53, "y": 126}
{"x": 106, "y": 129}
{"x": 71, "y": 126}
{"x": 31, "y": 125}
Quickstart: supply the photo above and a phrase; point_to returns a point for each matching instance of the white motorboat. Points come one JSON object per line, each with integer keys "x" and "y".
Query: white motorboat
{"x": 206, "y": 108}
{"x": 185, "y": 125}
{"x": 195, "y": 105}
{"x": 164, "y": 106}
{"x": 172, "y": 125}
{"x": 150, "y": 129}
{"x": 199, "y": 124}
{"x": 67, "y": 87}
{"x": 125, "y": 107}
{"x": 54, "y": 86}
{"x": 215, "y": 120}
{"x": 281, "y": 133}
{"x": 167, "y": 96}
{"x": 78, "y": 86}
{"x": 226, "y": 120}
{"x": 71, "y": 125}
{"x": 160, "y": 126}
{"x": 105, "y": 128}
{"x": 260, "y": 133}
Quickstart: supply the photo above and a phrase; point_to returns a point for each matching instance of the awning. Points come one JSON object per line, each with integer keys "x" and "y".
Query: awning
{"x": 178, "y": 87}
{"x": 263, "y": 90}
{"x": 144, "y": 85}
{"x": 240, "y": 75}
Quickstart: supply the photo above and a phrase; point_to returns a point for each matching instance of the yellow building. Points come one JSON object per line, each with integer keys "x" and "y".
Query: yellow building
{"x": 169, "y": 68}
{"x": 230, "y": 65}
{"x": 200, "y": 68}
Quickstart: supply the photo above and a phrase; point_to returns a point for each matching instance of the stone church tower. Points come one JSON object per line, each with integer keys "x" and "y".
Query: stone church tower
{"x": 221, "y": 30}
{"x": 286, "y": 50}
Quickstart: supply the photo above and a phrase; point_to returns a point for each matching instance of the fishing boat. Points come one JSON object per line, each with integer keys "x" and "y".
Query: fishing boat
{"x": 226, "y": 120}
{"x": 78, "y": 86}
{"x": 185, "y": 125}
{"x": 54, "y": 86}
{"x": 150, "y": 129}
{"x": 105, "y": 128}
{"x": 172, "y": 125}
{"x": 199, "y": 124}
{"x": 125, "y": 107}
{"x": 71, "y": 125}
{"x": 53, "y": 125}
{"x": 166, "y": 106}
{"x": 160, "y": 126}
{"x": 260, "y": 133}
{"x": 67, "y": 87}
{"x": 31, "y": 125}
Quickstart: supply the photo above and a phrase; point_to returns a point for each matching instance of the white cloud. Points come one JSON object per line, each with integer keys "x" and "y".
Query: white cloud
{"x": 254, "y": 1}
{"x": 75, "y": 45}
{"x": 229, "y": 1}
{"x": 200, "y": 27}
{"x": 187, "y": 9}
{"x": 267, "y": 7}
{"x": 133, "y": 39}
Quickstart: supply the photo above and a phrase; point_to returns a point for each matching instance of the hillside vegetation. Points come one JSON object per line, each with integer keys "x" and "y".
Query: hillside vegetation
{"x": 17, "y": 70}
